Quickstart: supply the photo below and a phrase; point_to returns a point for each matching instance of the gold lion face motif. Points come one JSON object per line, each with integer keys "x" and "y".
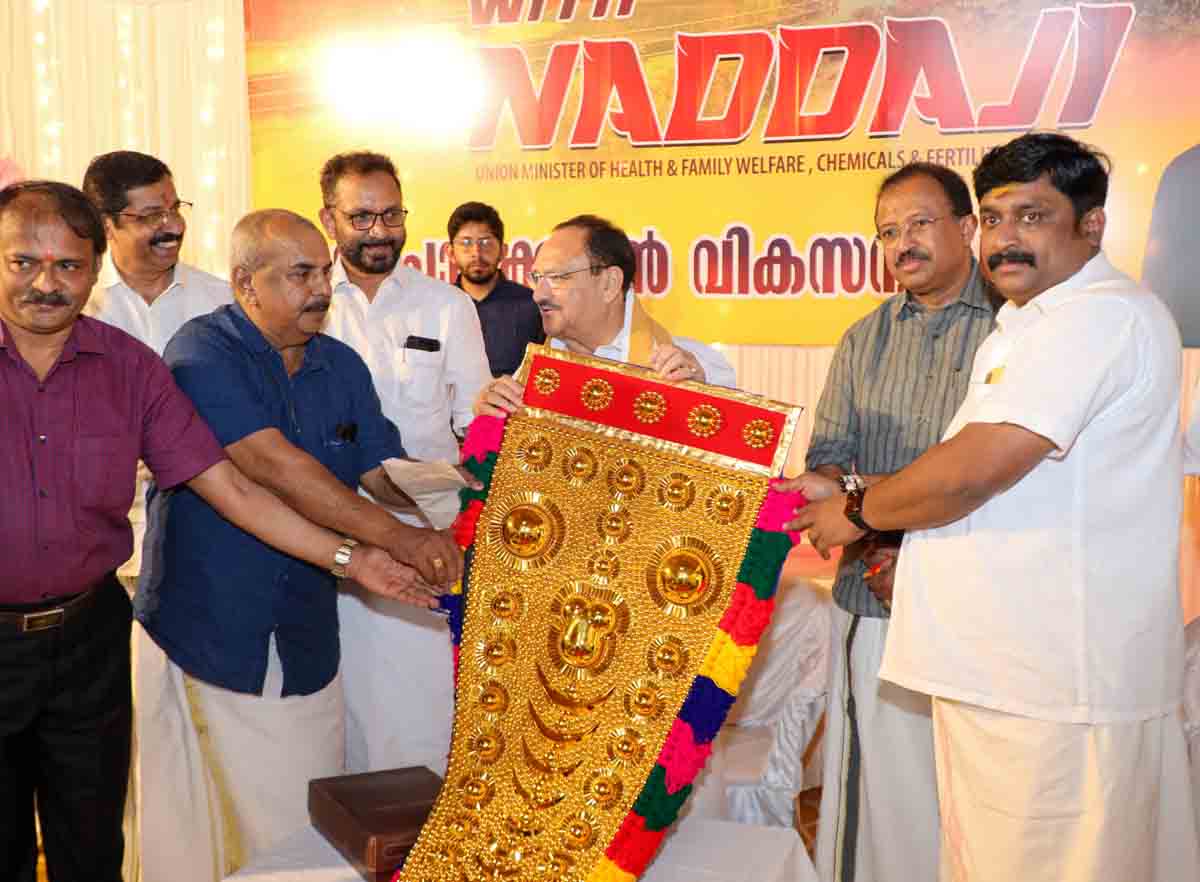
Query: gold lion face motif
{"x": 586, "y": 624}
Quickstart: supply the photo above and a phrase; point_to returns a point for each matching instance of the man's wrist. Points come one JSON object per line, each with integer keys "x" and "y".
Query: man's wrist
{"x": 343, "y": 558}
{"x": 852, "y": 481}
{"x": 853, "y": 509}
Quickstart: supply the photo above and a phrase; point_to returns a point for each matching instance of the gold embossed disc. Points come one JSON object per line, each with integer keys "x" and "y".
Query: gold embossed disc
{"x": 614, "y": 524}
{"x": 758, "y": 434}
{"x": 626, "y": 478}
{"x": 546, "y": 381}
{"x": 684, "y": 576}
{"x": 579, "y": 466}
{"x": 526, "y": 529}
{"x": 704, "y": 420}
{"x": 676, "y": 491}
{"x": 596, "y": 394}
{"x": 724, "y": 504}
{"x": 535, "y": 454}
{"x": 649, "y": 407}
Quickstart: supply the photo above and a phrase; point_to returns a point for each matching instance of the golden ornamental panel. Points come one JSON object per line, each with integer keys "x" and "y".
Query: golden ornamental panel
{"x": 592, "y": 604}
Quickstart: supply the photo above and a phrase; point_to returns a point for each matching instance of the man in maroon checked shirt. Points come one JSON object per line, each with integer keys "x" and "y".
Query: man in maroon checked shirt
{"x": 80, "y": 403}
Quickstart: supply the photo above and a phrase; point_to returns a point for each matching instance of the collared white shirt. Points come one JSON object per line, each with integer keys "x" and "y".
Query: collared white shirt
{"x": 192, "y": 293}
{"x": 717, "y": 369}
{"x": 1058, "y": 599}
{"x": 428, "y": 395}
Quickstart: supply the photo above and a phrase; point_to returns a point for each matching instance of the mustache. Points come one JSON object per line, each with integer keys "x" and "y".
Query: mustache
{"x": 319, "y": 305}
{"x": 47, "y": 298}
{"x": 1011, "y": 257}
{"x": 165, "y": 238}
{"x": 914, "y": 252}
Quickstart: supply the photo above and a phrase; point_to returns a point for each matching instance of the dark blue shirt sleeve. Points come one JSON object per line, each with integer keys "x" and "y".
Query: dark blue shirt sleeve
{"x": 222, "y": 379}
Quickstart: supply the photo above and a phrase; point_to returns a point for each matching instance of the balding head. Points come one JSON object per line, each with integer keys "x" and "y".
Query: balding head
{"x": 280, "y": 275}
{"x": 254, "y": 234}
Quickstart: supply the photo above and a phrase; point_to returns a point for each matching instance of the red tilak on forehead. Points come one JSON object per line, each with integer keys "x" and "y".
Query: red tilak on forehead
{"x": 48, "y": 256}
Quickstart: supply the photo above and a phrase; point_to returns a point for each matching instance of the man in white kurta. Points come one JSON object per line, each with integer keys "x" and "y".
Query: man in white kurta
{"x": 1036, "y": 595}
{"x": 147, "y": 292}
{"x": 422, "y": 342}
{"x": 144, "y": 289}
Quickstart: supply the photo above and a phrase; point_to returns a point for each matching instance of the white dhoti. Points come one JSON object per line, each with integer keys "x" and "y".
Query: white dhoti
{"x": 1044, "y": 801}
{"x": 879, "y": 810}
{"x": 223, "y": 776}
{"x": 398, "y": 675}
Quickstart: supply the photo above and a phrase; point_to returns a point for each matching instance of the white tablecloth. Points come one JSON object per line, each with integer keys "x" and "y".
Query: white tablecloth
{"x": 697, "y": 851}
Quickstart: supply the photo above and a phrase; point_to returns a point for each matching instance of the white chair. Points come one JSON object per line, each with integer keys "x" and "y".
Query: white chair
{"x": 757, "y": 765}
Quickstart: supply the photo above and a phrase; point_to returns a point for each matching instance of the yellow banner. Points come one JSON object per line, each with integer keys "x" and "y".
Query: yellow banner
{"x": 740, "y": 145}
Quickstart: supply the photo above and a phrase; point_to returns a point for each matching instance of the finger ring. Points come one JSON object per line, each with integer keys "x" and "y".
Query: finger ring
{"x": 438, "y": 563}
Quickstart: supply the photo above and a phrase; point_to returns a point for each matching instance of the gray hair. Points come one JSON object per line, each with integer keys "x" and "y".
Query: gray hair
{"x": 250, "y": 245}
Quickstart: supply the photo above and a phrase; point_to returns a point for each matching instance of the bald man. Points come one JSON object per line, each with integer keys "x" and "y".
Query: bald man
{"x": 251, "y": 635}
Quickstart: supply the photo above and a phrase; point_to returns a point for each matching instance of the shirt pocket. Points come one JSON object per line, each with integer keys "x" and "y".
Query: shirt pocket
{"x": 106, "y": 472}
{"x": 341, "y": 457}
{"x": 420, "y": 377}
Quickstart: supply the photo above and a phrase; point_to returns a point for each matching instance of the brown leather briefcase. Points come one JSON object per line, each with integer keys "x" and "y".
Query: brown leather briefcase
{"x": 373, "y": 819}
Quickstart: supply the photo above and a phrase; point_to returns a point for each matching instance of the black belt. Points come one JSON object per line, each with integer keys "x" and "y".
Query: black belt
{"x": 54, "y": 614}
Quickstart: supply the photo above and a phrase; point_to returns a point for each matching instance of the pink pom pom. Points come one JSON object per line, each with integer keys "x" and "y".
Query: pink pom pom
{"x": 682, "y": 757}
{"x": 779, "y": 508}
{"x": 483, "y": 437}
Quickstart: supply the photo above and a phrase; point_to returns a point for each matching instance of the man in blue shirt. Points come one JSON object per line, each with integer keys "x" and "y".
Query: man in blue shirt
{"x": 508, "y": 316}
{"x": 251, "y": 634}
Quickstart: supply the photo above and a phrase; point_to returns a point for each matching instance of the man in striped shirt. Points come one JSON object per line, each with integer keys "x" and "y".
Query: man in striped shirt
{"x": 897, "y": 378}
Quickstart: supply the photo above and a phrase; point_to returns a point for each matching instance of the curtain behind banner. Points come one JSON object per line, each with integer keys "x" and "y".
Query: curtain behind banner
{"x": 83, "y": 77}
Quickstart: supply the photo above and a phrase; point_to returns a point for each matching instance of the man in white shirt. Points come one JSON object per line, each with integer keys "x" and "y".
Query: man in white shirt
{"x": 582, "y": 278}
{"x": 144, "y": 289}
{"x": 1036, "y": 593}
{"x": 147, "y": 291}
{"x": 422, "y": 342}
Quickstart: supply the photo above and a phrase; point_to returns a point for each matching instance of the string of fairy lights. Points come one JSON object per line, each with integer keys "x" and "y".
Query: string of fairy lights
{"x": 191, "y": 131}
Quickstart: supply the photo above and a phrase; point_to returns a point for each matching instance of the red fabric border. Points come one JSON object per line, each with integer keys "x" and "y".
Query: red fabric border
{"x": 619, "y": 414}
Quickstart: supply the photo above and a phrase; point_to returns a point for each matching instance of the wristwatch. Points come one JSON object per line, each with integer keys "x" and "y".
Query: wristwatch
{"x": 852, "y": 481}
{"x": 341, "y": 557}
{"x": 853, "y": 509}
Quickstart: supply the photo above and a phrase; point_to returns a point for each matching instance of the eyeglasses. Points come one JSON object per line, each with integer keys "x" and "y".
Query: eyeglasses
{"x": 156, "y": 219}
{"x": 483, "y": 243}
{"x": 364, "y": 220}
{"x": 558, "y": 280}
{"x": 917, "y": 226}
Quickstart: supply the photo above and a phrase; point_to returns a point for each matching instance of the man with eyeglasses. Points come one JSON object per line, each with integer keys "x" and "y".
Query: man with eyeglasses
{"x": 147, "y": 291}
{"x": 897, "y": 377}
{"x": 144, "y": 288}
{"x": 583, "y": 280}
{"x": 422, "y": 342}
{"x": 507, "y": 313}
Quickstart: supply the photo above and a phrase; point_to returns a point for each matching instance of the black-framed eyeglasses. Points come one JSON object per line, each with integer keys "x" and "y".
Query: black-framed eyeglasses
{"x": 155, "y": 219}
{"x": 557, "y": 280}
{"x": 364, "y": 220}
